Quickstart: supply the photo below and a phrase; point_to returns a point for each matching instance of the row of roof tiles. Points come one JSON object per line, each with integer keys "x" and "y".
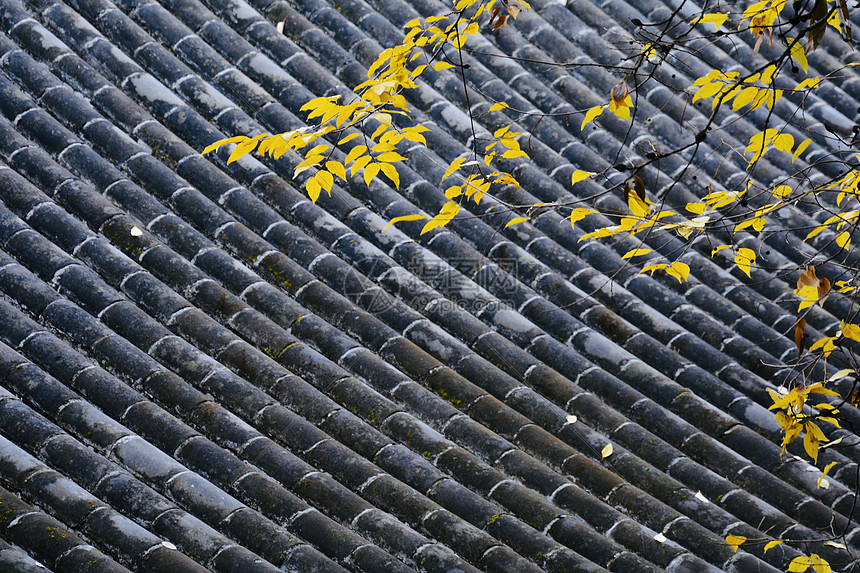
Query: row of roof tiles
{"x": 375, "y": 472}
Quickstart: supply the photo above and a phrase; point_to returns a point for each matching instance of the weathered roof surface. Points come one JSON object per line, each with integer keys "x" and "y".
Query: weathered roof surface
{"x": 202, "y": 370}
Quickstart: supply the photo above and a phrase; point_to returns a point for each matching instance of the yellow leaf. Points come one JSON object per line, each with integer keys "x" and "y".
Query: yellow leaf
{"x": 336, "y": 167}
{"x": 217, "y": 144}
{"x": 799, "y": 564}
{"x": 498, "y": 105}
{"x": 798, "y": 53}
{"x": 622, "y": 108}
{"x": 772, "y": 544}
{"x": 580, "y": 175}
{"x": 781, "y": 191}
{"x": 275, "y": 146}
{"x": 395, "y": 220}
{"x": 606, "y": 451}
{"x": 819, "y": 564}
{"x": 827, "y": 469}
{"x": 767, "y": 74}
{"x": 773, "y": 97}
{"x": 851, "y": 331}
{"x": 707, "y": 90}
{"x": 391, "y": 172}
{"x": 756, "y": 223}
{"x": 817, "y": 230}
{"x": 389, "y": 139}
{"x": 636, "y": 253}
{"x": 506, "y": 179}
{"x": 744, "y": 97}
{"x": 318, "y": 150}
{"x": 313, "y": 188}
{"x": 383, "y": 118}
{"x": 808, "y": 83}
{"x": 385, "y": 146}
{"x": 679, "y": 270}
{"x": 697, "y": 208}
{"x": 414, "y": 133}
{"x": 379, "y": 131}
{"x": 707, "y": 78}
{"x": 810, "y": 444}
{"x": 245, "y": 148}
{"x": 809, "y": 294}
{"x": 833, "y": 20}
{"x": 309, "y": 162}
{"x": 511, "y": 153}
{"x": 728, "y": 94}
{"x": 841, "y": 374}
{"x": 783, "y": 142}
{"x": 825, "y": 343}
{"x": 320, "y": 101}
{"x": 720, "y": 248}
{"x": 649, "y": 52}
{"x": 370, "y": 172}
{"x": 800, "y": 149}
{"x": 454, "y": 167}
{"x": 502, "y": 131}
{"x": 326, "y": 180}
{"x": 516, "y": 221}
{"x": 744, "y": 259}
{"x": 652, "y": 268}
{"x": 360, "y": 163}
{"x": 439, "y": 66}
{"x": 717, "y": 19}
{"x": 843, "y": 239}
{"x": 390, "y": 157}
{"x": 760, "y": 99}
{"x": 637, "y": 206}
{"x": 446, "y": 214}
{"x": 578, "y": 214}
{"x": 355, "y": 153}
{"x": 735, "y": 541}
{"x": 591, "y": 115}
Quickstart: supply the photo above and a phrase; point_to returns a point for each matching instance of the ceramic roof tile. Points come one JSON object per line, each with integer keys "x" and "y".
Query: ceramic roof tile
{"x": 391, "y": 400}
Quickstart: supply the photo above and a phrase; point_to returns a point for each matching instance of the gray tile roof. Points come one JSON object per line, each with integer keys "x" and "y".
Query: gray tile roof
{"x": 202, "y": 370}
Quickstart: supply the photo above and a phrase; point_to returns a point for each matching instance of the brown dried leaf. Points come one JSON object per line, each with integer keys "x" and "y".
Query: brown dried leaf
{"x": 808, "y": 278}
{"x": 503, "y": 19}
{"x": 800, "y": 335}
{"x": 855, "y": 396}
{"x": 757, "y": 45}
{"x": 818, "y": 21}
{"x": 823, "y": 289}
{"x": 620, "y": 93}
{"x": 514, "y": 10}
{"x": 639, "y": 187}
{"x": 493, "y": 15}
